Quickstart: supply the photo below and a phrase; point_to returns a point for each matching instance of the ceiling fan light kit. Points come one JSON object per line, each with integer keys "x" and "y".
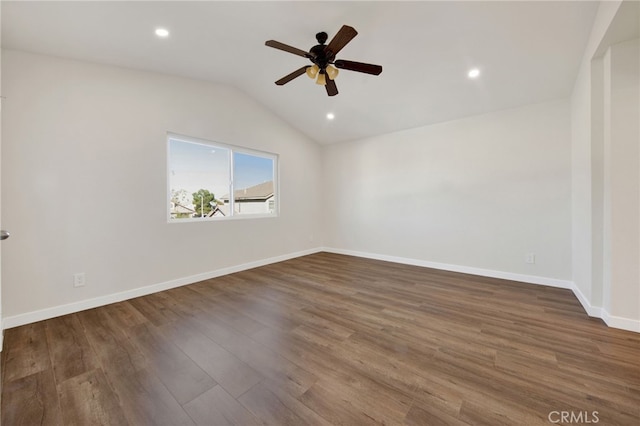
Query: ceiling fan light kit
{"x": 322, "y": 78}
{"x": 323, "y": 56}
{"x": 312, "y": 72}
{"x": 332, "y": 72}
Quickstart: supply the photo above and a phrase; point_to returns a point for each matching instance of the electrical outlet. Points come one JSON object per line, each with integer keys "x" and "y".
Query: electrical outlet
{"x": 78, "y": 279}
{"x": 530, "y": 258}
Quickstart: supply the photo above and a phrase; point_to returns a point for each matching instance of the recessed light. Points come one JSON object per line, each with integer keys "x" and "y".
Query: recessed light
{"x": 474, "y": 73}
{"x": 162, "y": 32}
{"x": 330, "y": 116}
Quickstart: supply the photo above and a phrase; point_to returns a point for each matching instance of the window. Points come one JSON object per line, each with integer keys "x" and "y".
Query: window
{"x": 214, "y": 181}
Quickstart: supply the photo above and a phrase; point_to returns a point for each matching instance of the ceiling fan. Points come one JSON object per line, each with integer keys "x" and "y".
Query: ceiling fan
{"x": 323, "y": 56}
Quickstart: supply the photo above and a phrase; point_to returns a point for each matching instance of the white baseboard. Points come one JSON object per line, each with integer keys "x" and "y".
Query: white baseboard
{"x": 56, "y": 311}
{"x": 531, "y": 279}
{"x": 598, "y": 312}
{"x": 620, "y": 322}
{"x": 592, "y": 311}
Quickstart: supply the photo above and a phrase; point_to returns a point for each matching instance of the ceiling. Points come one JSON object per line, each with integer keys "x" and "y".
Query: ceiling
{"x": 527, "y": 52}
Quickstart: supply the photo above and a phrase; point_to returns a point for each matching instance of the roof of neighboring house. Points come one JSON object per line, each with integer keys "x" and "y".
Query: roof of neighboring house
{"x": 179, "y": 209}
{"x": 259, "y": 192}
{"x": 219, "y": 210}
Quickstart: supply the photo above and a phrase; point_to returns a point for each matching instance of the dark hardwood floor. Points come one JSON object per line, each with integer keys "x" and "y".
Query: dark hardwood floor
{"x": 326, "y": 339}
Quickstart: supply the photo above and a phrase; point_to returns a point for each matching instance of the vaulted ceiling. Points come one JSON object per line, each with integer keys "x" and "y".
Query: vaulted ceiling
{"x": 527, "y": 52}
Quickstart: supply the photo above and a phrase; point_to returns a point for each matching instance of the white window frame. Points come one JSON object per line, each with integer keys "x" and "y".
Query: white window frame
{"x": 232, "y": 149}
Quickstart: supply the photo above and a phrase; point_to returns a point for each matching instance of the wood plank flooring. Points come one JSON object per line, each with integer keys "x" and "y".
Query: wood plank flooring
{"x": 326, "y": 339}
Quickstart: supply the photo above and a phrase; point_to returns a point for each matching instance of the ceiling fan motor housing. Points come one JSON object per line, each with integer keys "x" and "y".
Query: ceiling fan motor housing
{"x": 319, "y": 56}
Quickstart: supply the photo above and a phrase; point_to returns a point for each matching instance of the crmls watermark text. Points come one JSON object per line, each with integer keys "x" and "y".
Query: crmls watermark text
{"x": 584, "y": 417}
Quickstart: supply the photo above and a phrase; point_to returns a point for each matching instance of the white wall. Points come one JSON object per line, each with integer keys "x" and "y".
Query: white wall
{"x": 480, "y": 192}
{"x": 1, "y": 317}
{"x": 586, "y": 221}
{"x": 581, "y": 183}
{"x": 605, "y": 106}
{"x": 84, "y": 181}
{"x": 597, "y": 191}
{"x": 622, "y": 180}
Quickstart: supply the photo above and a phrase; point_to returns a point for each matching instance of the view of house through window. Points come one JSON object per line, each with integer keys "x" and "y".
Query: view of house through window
{"x": 211, "y": 180}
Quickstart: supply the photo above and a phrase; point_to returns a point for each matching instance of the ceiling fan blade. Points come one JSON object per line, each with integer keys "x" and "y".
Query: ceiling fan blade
{"x": 286, "y": 48}
{"x": 358, "y": 66}
{"x": 340, "y": 40}
{"x": 289, "y": 77}
{"x": 331, "y": 87}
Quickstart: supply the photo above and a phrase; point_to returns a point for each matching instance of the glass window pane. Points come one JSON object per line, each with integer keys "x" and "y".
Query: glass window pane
{"x": 198, "y": 179}
{"x": 253, "y": 177}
